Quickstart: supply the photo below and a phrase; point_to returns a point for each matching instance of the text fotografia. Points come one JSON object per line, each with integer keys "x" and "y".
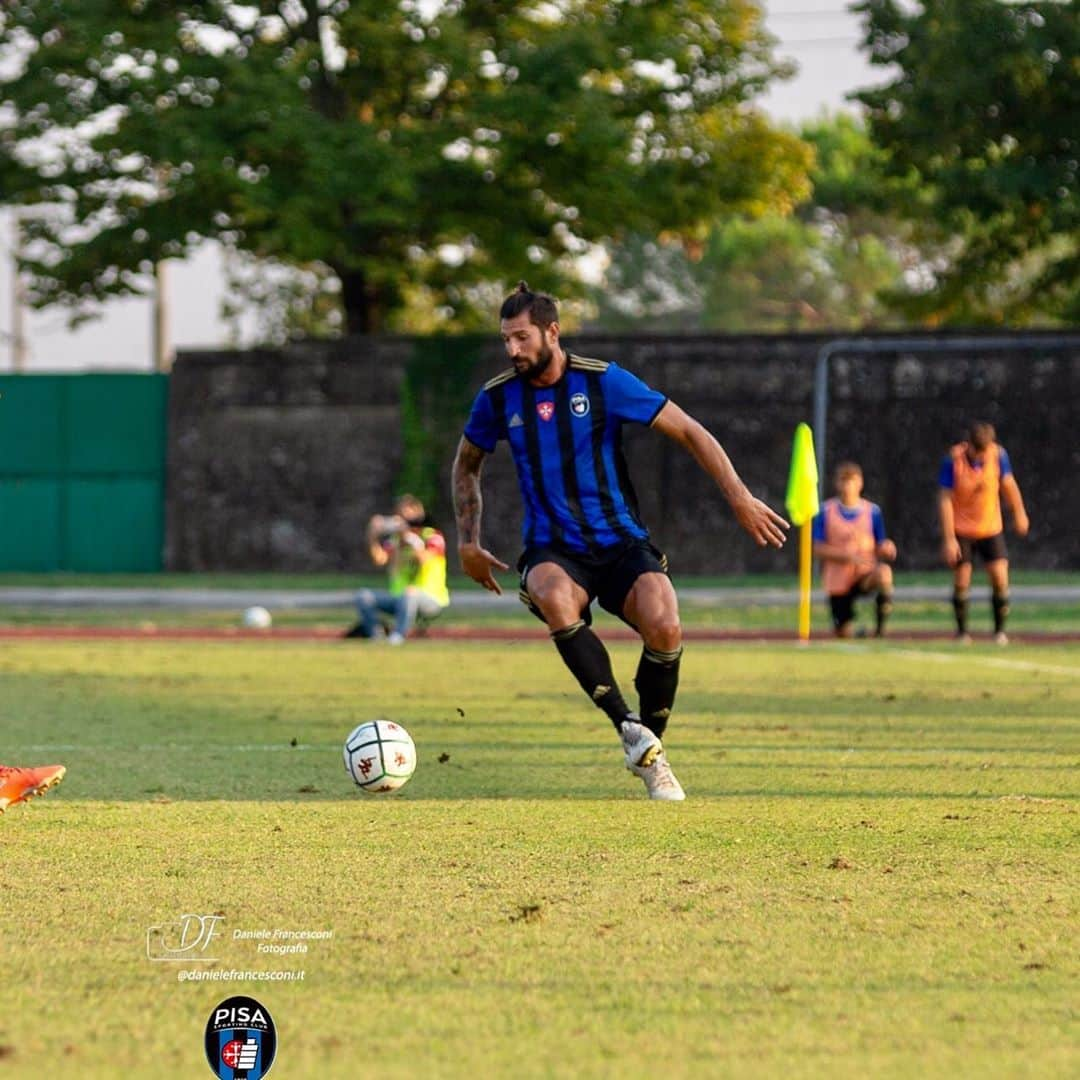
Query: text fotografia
{"x": 281, "y": 942}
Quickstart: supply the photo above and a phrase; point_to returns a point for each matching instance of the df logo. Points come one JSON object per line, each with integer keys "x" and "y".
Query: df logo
{"x": 186, "y": 939}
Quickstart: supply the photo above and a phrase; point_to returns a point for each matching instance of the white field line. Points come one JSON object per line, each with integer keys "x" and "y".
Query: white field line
{"x": 990, "y": 661}
{"x": 202, "y": 747}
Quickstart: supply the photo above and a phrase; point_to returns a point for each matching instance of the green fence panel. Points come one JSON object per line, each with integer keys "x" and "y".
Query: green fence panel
{"x": 82, "y": 472}
{"x": 30, "y": 524}
{"x": 32, "y": 422}
{"x": 114, "y": 523}
{"x": 116, "y": 424}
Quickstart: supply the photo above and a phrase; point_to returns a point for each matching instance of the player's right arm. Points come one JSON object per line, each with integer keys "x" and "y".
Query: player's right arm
{"x": 950, "y": 546}
{"x": 380, "y": 556}
{"x": 836, "y": 553}
{"x": 476, "y": 561}
{"x": 823, "y": 548}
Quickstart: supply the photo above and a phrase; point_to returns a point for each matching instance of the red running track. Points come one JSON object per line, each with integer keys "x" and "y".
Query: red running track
{"x": 457, "y": 633}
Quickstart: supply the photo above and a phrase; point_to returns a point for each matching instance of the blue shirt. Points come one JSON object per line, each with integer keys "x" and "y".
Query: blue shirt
{"x": 566, "y": 441}
{"x": 850, "y": 513}
{"x": 947, "y": 480}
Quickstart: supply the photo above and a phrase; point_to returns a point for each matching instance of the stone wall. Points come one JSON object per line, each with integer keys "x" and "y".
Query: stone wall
{"x": 277, "y": 458}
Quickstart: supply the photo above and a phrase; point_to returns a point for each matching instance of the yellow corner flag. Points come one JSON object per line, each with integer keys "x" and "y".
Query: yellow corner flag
{"x": 802, "y": 494}
{"x": 802, "y": 506}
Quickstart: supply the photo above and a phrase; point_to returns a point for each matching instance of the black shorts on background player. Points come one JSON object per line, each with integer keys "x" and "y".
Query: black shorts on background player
{"x": 843, "y": 605}
{"x": 989, "y": 548}
{"x": 607, "y": 576}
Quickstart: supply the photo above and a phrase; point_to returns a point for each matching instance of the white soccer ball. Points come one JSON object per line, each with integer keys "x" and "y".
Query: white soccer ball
{"x": 380, "y": 756}
{"x": 257, "y": 618}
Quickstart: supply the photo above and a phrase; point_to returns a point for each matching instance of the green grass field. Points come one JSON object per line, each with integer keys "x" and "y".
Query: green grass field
{"x": 875, "y": 873}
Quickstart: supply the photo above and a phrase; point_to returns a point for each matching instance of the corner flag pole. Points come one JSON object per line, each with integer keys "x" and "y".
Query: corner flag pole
{"x": 802, "y": 506}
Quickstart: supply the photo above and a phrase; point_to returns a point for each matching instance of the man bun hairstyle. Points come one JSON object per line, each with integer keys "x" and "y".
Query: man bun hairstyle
{"x": 542, "y": 309}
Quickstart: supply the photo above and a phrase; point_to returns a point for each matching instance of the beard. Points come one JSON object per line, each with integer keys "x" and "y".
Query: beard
{"x": 534, "y": 367}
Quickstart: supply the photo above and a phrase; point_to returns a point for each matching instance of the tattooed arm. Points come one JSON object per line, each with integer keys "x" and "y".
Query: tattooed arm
{"x": 468, "y": 506}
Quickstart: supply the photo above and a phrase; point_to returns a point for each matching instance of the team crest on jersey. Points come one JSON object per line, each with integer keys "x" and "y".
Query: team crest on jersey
{"x": 546, "y": 409}
{"x": 579, "y": 405}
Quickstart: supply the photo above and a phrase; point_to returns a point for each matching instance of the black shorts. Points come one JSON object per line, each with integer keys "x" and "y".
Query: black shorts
{"x": 606, "y": 577}
{"x": 843, "y": 604}
{"x": 989, "y": 548}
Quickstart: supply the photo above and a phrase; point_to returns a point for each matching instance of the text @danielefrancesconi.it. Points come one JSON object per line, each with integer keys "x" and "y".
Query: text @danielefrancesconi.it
{"x": 201, "y": 975}
{"x": 195, "y": 946}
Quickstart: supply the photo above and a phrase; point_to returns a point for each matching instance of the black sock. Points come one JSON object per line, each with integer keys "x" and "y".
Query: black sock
{"x": 584, "y": 654}
{"x": 883, "y": 610}
{"x": 960, "y": 609}
{"x": 1001, "y": 610}
{"x": 656, "y": 681}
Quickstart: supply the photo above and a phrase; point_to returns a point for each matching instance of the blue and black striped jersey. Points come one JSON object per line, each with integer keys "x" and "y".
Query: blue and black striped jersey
{"x": 566, "y": 440}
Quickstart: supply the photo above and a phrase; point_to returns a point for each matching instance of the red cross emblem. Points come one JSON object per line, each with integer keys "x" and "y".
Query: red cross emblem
{"x": 546, "y": 409}
{"x": 230, "y": 1053}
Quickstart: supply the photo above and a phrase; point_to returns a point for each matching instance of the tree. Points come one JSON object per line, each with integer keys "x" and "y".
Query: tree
{"x": 827, "y": 265}
{"x": 429, "y": 145}
{"x": 268, "y": 302}
{"x": 983, "y": 112}
{"x": 771, "y": 274}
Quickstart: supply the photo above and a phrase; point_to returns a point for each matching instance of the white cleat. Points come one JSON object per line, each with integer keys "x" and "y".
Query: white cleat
{"x": 1001, "y": 638}
{"x": 660, "y": 781}
{"x": 639, "y": 743}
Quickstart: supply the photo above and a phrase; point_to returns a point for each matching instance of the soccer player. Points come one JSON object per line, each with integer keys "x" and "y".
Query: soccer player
{"x": 19, "y": 784}
{"x": 413, "y": 552}
{"x": 973, "y": 477}
{"x": 563, "y": 415}
{"x": 849, "y": 539}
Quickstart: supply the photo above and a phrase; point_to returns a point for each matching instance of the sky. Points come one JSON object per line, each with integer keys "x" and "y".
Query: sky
{"x": 821, "y": 36}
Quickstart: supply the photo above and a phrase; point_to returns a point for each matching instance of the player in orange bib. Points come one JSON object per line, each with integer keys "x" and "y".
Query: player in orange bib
{"x": 849, "y": 539}
{"x": 973, "y": 477}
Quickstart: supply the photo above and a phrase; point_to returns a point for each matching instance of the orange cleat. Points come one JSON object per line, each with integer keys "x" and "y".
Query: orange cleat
{"x": 18, "y": 785}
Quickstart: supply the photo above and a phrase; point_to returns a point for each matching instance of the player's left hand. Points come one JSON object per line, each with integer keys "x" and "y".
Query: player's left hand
{"x": 1021, "y": 525}
{"x": 479, "y": 564}
{"x": 763, "y": 523}
{"x": 887, "y": 551}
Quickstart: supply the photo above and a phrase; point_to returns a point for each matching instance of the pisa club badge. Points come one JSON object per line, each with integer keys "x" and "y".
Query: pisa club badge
{"x": 240, "y": 1039}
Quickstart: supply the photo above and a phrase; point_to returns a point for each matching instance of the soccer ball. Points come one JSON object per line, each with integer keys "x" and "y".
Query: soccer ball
{"x": 257, "y": 618}
{"x": 380, "y": 756}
